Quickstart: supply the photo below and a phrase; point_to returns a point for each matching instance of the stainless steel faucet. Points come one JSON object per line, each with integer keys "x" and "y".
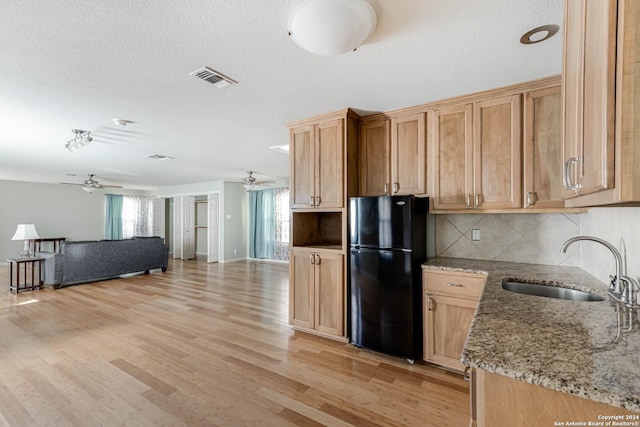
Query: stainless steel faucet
{"x": 622, "y": 287}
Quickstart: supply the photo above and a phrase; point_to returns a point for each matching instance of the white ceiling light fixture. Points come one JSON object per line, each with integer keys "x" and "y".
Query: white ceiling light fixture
{"x": 331, "y": 27}
{"x": 284, "y": 148}
{"x": 80, "y": 139}
{"x": 122, "y": 122}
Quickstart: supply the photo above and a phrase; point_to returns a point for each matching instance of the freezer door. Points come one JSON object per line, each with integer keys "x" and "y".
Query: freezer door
{"x": 381, "y": 222}
{"x": 382, "y": 300}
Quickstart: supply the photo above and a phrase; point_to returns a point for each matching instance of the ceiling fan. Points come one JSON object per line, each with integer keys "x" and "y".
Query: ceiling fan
{"x": 251, "y": 183}
{"x": 90, "y": 185}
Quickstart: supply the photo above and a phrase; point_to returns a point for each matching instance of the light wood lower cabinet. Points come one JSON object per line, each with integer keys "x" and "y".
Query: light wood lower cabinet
{"x": 499, "y": 401}
{"x": 316, "y": 291}
{"x": 450, "y": 301}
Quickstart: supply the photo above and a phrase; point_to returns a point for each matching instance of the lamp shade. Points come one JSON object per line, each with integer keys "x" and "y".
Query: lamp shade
{"x": 25, "y": 231}
{"x": 331, "y": 27}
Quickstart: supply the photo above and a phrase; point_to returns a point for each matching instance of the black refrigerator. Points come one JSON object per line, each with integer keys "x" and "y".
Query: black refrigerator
{"x": 388, "y": 238}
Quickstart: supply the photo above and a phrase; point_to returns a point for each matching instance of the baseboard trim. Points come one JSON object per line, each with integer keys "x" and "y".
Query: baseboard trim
{"x": 276, "y": 261}
{"x": 232, "y": 260}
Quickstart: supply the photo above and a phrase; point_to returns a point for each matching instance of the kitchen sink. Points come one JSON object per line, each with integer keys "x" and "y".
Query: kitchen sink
{"x": 549, "y": 291}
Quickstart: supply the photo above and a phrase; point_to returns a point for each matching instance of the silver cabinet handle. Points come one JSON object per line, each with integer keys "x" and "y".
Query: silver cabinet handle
{"x": 396, "y": 187}
{"x": 457, "y": 285}
{"x": 311, "y": 201}
{"x": 467, "y": 373}
{"x": 477, "y": 200}
{"x": 568, "y": 182}
{"x": 469, "y": 200}
{"x": 312, "y": 258}
{"x": 317, "y": 259}
{"x": 386, "y": 188}
{"x": 429, "y": 305}
{"x": 532, "y": 198}
{"x": 317, "y": 200}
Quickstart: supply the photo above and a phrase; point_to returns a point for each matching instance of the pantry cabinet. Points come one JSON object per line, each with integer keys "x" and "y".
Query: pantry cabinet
{"x": 323, "y": 175}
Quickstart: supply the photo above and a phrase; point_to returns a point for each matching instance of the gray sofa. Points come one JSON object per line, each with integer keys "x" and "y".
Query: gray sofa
{"x": 86, "y": 261}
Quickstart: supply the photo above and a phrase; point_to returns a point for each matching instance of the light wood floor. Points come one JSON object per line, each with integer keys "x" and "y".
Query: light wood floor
{"x": 200, "y": 345}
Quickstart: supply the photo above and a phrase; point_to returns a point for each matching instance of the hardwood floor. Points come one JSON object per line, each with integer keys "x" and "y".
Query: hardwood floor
{"x": 200, "y": 345}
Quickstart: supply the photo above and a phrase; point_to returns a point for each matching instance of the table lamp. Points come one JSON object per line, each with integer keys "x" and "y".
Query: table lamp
{"x": 25, "y": 232}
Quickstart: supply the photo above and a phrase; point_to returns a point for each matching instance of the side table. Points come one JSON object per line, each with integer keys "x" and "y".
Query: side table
{"x": 26, "y": 264}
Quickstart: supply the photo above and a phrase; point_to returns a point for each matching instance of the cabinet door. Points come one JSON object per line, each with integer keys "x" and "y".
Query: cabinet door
{"x": 589, "y": 97}
{"x": 301, "y": 291}
{"x": 329, "y": 167}
{"x": 453, "y": 157}
{"x": 497, "y": 144}
{"x": 375, "y": 177}
{"x": 543, "y": 149}
{"x": 408, "y": 154}
{"x": 447, "y": 322}
{"x": 301, "y": 151}
{"x": 329, "y": 293}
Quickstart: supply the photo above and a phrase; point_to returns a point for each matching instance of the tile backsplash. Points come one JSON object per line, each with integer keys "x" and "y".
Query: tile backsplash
{"x": 537, "y": 238}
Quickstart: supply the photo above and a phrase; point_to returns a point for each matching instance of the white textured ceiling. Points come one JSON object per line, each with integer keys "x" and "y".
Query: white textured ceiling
{"x": 78, "y": 64}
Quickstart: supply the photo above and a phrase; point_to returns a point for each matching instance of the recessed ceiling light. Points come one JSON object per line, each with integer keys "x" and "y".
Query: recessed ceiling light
{"x": 122, "y": 122}
{"x": 159, "y": 157}
{"x": 539, "y": 34}
{"x": 284, "y": 148}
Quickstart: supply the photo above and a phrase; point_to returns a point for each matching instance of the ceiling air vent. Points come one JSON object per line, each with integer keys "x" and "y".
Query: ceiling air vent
{"x": 212, "y": 76}
{"x": 159, "y": 157}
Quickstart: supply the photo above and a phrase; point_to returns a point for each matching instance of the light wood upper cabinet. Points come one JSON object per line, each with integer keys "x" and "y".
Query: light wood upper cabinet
{"x": 408, "y": 154}
{"x": 375, "y": 155}
{"x": 589, "y": 77}
{"x": 477, "y": 155}
{"x": 453, "y": 157}
{"x": 497, "y": 155}
{"x": 301, "y": 152}
{"x": 542, "y": 159}
{"x": 329, "y": 167}
{"x": 317, "y": 165}
{"x": 393, "y": 156}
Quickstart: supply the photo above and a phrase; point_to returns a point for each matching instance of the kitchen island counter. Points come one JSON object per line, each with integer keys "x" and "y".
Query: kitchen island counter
{"x": 550, "y": 342}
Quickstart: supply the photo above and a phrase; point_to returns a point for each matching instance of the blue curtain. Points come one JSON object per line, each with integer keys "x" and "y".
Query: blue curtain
{"x": 262, "y": 223}
{"x": 113, "y": 217}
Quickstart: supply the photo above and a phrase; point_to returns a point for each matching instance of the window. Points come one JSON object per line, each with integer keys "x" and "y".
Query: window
{"x": 269, "y": 224}
{"x": 137, "y": 216}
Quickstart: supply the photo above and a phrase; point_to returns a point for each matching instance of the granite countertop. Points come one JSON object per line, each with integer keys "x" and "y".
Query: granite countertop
{"x": 550, "y": 342}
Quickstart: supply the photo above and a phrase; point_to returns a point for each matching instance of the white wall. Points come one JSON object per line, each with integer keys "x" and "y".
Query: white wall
{"x": 55, "y": 210}
{"x": 618, "y": 226}
{"x": 235, "y": 222}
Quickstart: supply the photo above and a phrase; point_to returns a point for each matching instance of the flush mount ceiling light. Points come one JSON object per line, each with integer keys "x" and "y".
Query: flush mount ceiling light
{"x": 122, "y": 122}
{"x": 284, "y": 148}
{"x": 80, "y": 139}
{"x": 539, "y": 34}
{"x": 331, "y": 27}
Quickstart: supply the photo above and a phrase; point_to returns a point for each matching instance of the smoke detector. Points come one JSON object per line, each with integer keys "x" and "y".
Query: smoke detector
{"x": 214, "y": 77}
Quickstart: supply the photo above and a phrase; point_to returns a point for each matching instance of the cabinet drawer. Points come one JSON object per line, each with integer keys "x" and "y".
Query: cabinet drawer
{"x": 464, "y": 285}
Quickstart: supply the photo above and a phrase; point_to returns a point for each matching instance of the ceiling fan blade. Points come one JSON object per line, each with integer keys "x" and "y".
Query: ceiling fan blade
{"x": 110, "y": 186}
{"x": 71, "y": 183}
